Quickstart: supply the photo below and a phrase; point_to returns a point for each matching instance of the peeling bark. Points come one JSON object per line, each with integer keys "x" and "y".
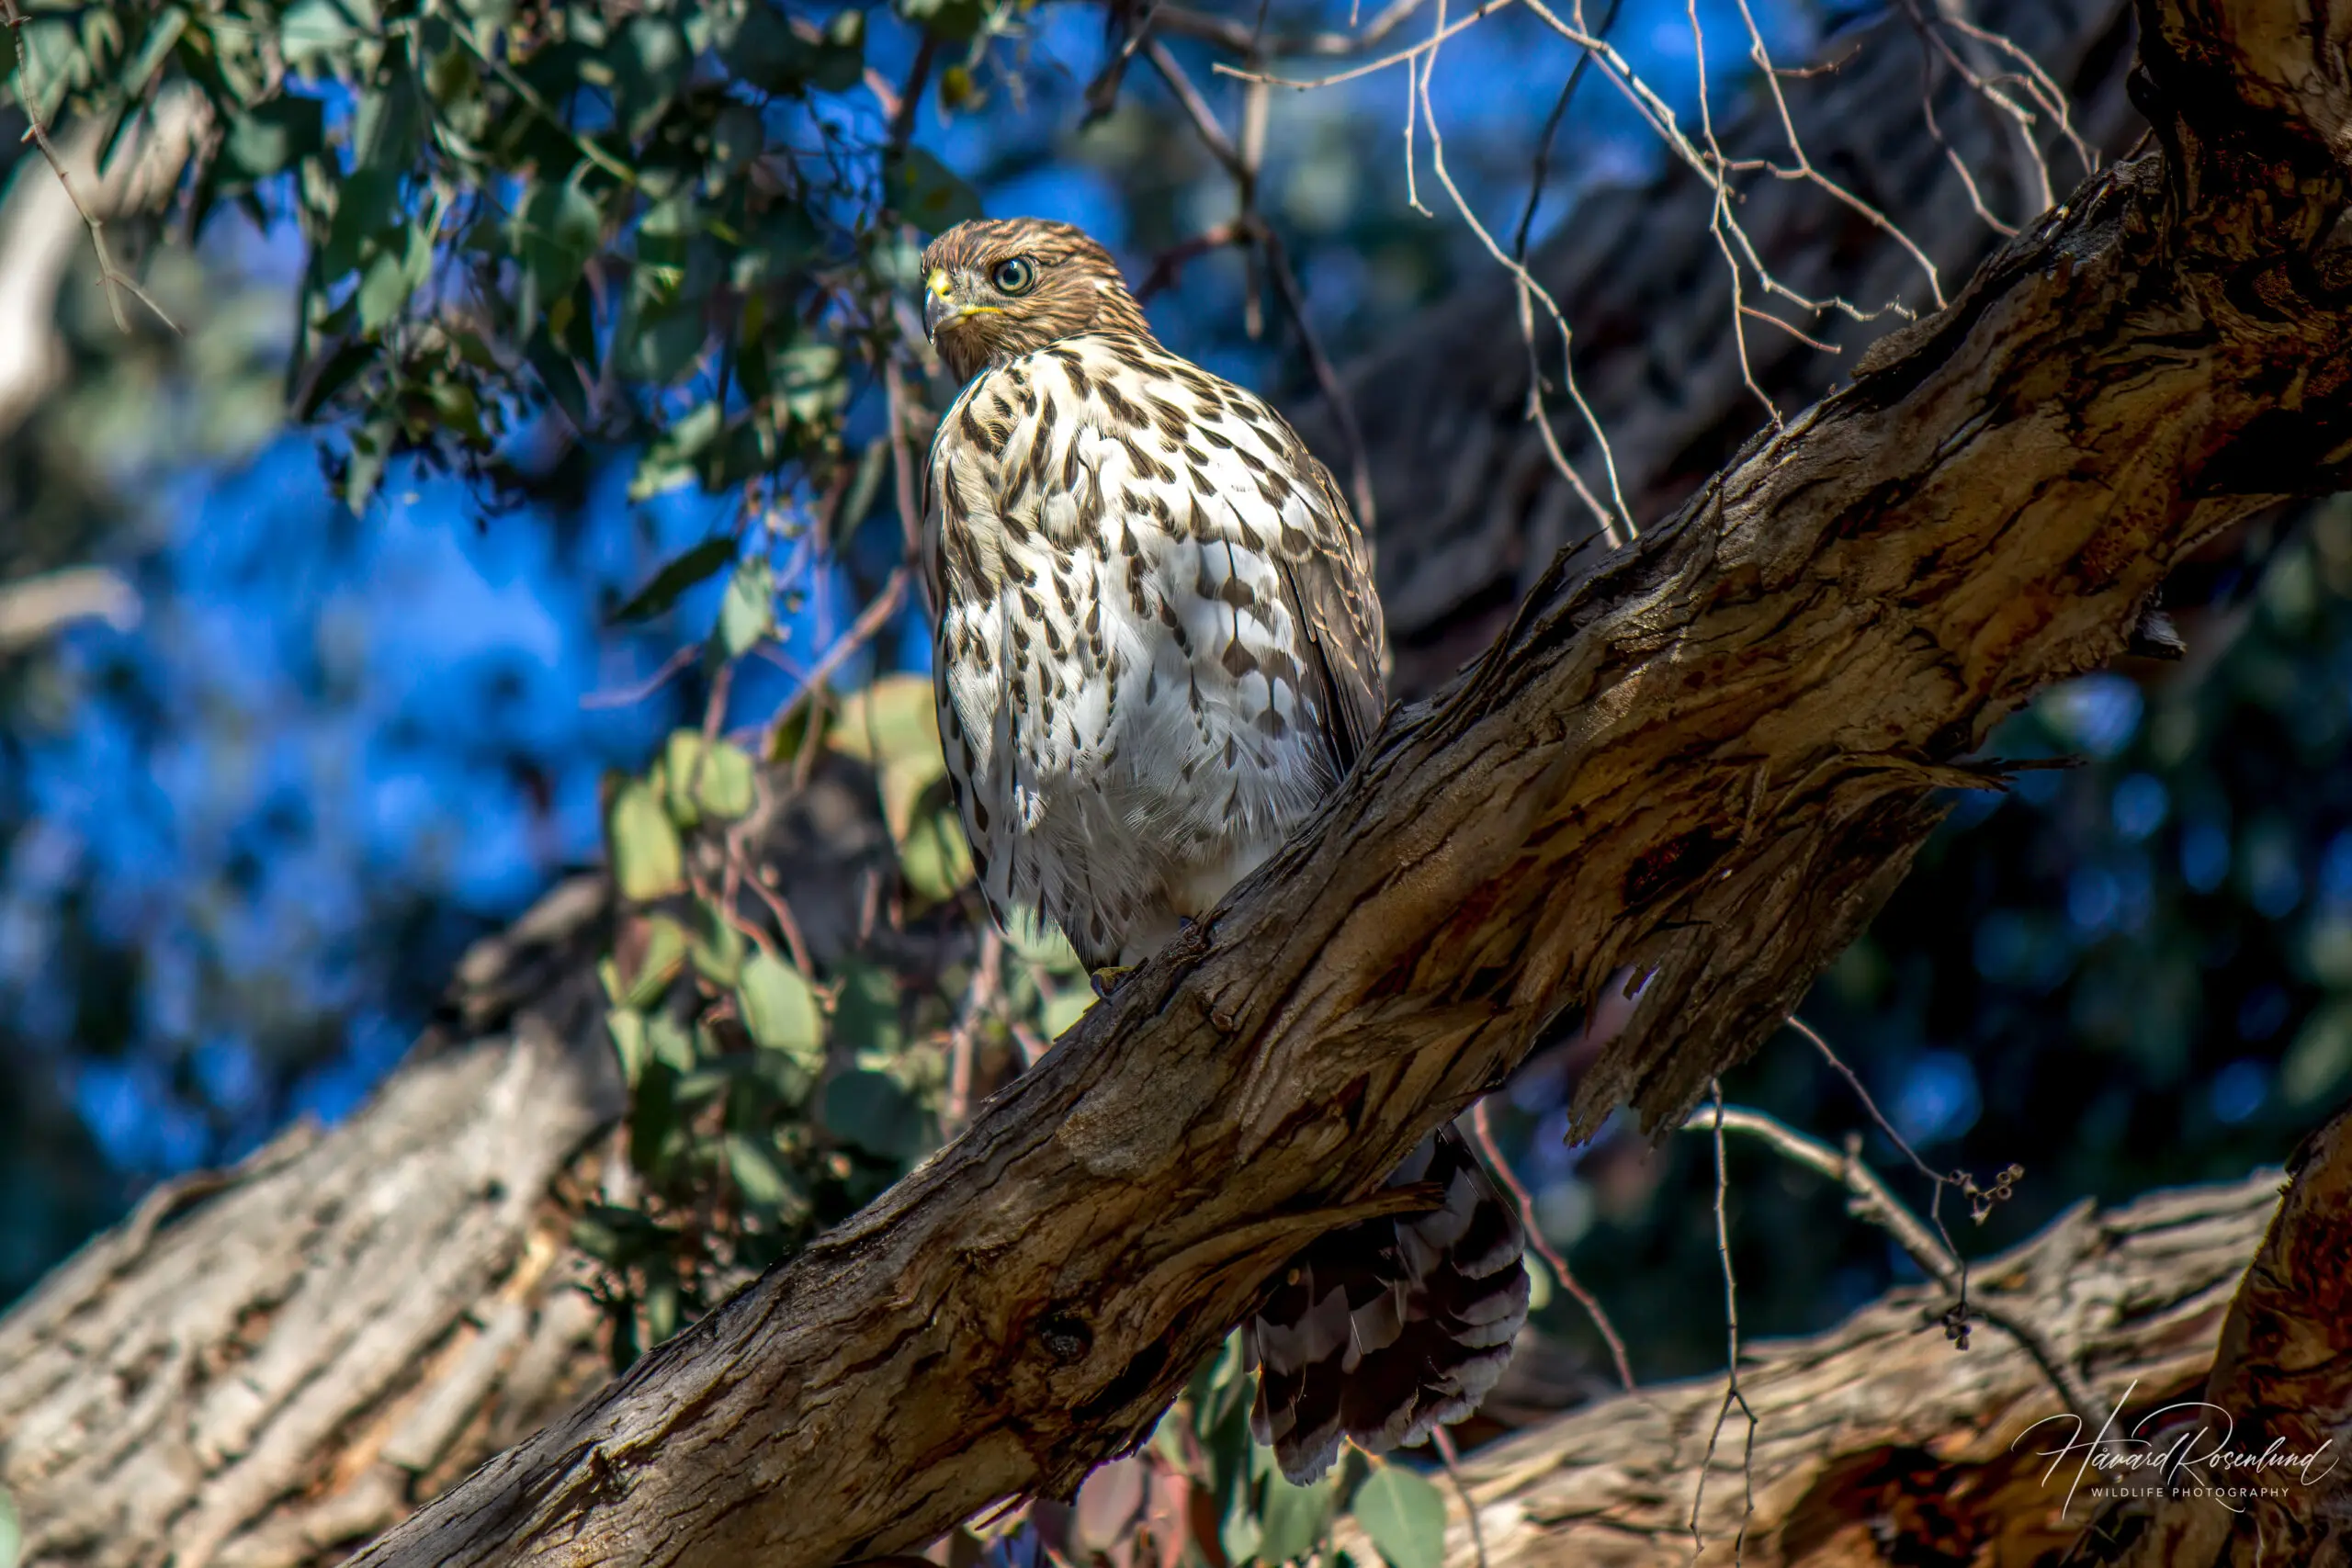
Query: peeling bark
{"x": 1879, "y": 1444}
{"x": 396, "y": 1300}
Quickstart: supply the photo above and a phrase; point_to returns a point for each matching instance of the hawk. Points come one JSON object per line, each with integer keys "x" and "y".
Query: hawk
{"x": 1159, "y": 649}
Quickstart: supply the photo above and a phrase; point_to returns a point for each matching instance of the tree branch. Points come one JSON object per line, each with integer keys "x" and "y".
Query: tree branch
{"x": 1710, "y": 757}
{"x": 1879, "y": 1445}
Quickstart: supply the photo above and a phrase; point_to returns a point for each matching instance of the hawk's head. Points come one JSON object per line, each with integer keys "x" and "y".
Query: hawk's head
{"x": 995, "y": 288}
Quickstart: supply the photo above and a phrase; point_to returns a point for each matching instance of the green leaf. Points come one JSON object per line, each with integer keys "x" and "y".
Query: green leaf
{"x": 669, "y": 1042}
{"x": 313, "y": 27}
{"x": 698, "y": 779}
{"x": 778, "y": 247}
{"x": 892, "y": 719}
{"x": 557, "y": 229}
{"x": 871, "y": 1111}
{"x": 1239, "y": 1534}
{"x": 648, "y": 860}
{"x": 697, "y": 565}
{"x": 668, "y": 460}
{"x": 1292, "y": 1520}
{"x": 1405, "y": 1516}
{"x": 930, "y": 194}
{"x": 780, "y": 1010}
{"x": 272, "y": 136}
{"x": 661, "y": 1306}
{"x": 372, "y": 448}
{"x": 841, "y": 61}
{"x": 650, "y": 58}
{"x": 651, "y": 1119}
{"x": 386, "y": 127}
{"x": 720, "y": 777}
{"x": 1065, "y": 1005}
{"x": 866, "y": 1013}
{"x": 383, "y": 290}
{"x": 660, "y": 344}
{"x": 954, "y": 20}
{"x": 627, "y": 1027}
{"x": 936, "y": 858}
{"x": 367, "y": 206}
{"x": 756, "y": 1173}
{"x": 748, "y": 612}
{"x": 764, "y": 54}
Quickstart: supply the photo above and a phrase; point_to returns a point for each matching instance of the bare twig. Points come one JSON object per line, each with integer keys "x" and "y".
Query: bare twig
{"x": 1732, "y": 1395}
{"x": 1443, "y": 1443}
{"x": 1871, "y": 1201}
{"x": 1246, "y": 39}
{"x": 1546, "y": 1251}
{"x": 978, "y": 999}
{"x": 117, "y": 282}
{"x": 637, "y": 692}
{"x": 870, "y": 621}
{"x": 1327, "y": 379}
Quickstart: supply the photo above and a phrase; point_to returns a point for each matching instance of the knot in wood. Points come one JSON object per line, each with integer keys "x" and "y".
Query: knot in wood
{"x": 1065, "y": 1339}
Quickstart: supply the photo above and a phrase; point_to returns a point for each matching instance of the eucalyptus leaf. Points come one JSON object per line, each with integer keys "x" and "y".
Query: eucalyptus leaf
{"x": 649, "y": 861}
{"x": 699, "y": 564}
{"x": 780, "y": 1010}
{"x": 1405, "y": 1516}
{"x": 748, "y": 612}
{"x": 874, "y": 1111}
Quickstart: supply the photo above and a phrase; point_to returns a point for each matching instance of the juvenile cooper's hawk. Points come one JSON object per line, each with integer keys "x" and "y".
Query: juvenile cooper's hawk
{"x": 1159, "y": 649}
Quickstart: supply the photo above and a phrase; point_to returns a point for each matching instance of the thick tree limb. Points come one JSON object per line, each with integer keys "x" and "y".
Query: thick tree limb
{"x": 1713, "y": 754}
{"x": 166, "y": 1385}
{"x": 1879, "y": 1444}
{"x": 2284, "y": 1371}
{"x": 265, "y": 1366}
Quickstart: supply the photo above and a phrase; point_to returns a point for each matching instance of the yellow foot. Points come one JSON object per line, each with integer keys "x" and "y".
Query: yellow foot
{"x": 1107, "y": 981}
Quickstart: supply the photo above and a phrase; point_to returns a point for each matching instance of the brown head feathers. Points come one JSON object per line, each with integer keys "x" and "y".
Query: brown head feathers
{"x": 995, "y": 288}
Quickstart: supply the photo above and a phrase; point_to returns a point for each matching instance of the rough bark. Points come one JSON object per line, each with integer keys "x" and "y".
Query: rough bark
{"x": 2284, "y": 1371}
{"x": 395, "y": 1301}
{"x": 1713, "y": 754}
{"x": 1879, "y": 1444}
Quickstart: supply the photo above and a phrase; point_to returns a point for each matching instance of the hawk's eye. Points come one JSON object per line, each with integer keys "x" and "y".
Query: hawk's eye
{"x": 1014, "y": 274}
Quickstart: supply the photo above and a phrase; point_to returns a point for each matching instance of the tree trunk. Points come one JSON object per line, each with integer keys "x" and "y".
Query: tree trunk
{"x": 1879, "y": 1444}
{"x": 265, "y": 1366}
{"x": 1707, "y": 758}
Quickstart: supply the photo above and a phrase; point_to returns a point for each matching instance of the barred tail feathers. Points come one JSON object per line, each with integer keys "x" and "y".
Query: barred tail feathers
{"x": 1384, "y": 1329}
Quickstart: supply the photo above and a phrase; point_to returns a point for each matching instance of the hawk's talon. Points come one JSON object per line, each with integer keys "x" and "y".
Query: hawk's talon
{"x": 1105, "y": 981}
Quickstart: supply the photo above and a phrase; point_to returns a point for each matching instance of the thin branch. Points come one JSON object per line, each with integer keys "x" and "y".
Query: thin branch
{"x": 1732, "y": 1397}
{"x": 117, "y": 282}
{"x": 979, "y": 998}
{"x": 1553, "y": 1260}
{"x": 1185, "y": 22}
{"x": 34, "y": 609}
{"x": 1871, "y": 1202}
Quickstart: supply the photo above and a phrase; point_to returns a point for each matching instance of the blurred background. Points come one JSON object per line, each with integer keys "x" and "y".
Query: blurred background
{"x": 285, "y": 756}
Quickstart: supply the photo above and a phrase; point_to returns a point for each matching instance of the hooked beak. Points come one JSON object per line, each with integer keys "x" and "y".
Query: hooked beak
{"x": 938, "y": 302}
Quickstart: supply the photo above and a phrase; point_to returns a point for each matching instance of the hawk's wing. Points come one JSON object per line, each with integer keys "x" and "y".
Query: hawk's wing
{"x": 1327, "y": 589}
